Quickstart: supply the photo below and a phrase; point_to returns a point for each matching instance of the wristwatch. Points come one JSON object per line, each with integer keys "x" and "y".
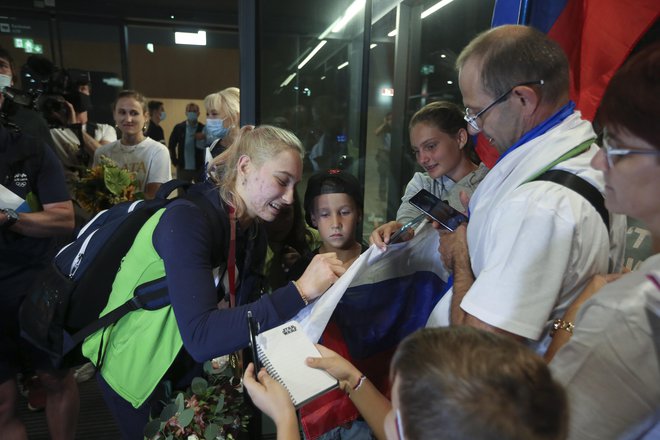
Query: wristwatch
{"x": 12, "y": 217}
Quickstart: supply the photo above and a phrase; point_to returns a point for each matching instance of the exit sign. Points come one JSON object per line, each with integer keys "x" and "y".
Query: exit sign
{"x": 28, "y": 45}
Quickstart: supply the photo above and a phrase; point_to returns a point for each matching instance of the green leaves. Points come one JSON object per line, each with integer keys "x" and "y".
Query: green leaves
{"x": 212, "y": 408}
{"x": 199, "y": 385}
{"x": 116, "y": 179}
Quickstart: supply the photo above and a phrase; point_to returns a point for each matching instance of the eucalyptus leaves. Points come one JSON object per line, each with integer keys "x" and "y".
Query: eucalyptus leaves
{"x": 212, "y": 408}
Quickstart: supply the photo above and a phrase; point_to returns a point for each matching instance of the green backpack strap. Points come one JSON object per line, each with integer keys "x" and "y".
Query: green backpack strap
{"x": 573, "y": 182}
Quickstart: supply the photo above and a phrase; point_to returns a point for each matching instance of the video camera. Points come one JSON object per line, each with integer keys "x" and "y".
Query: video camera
{"x": 43, "y": 81}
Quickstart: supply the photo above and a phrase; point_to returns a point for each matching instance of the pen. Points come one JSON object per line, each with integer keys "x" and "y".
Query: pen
{"x": 253, "y": 330}
{"x": 405, "y": 227}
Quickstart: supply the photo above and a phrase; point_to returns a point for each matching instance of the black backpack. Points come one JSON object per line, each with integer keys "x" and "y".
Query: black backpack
{"x": 64, "y": 304}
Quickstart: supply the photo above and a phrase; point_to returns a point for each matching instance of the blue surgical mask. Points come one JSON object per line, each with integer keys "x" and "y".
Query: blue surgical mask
{"x": 191, "y": 116}
{"x": 215, "y": 129}
{"x": 5, "y": 81}
{"x": 163, "y": 115}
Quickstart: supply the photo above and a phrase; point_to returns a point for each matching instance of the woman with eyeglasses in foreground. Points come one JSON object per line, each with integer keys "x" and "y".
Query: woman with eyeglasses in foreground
{"x": 451, "y": 382}
{"x": 609, "y": 365}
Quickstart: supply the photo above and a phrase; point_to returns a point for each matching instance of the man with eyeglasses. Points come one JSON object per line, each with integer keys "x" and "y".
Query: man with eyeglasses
{"x": 530, "y": 245}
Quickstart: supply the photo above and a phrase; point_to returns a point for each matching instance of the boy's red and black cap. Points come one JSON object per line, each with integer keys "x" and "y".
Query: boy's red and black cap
{"x": 331, "y": 181}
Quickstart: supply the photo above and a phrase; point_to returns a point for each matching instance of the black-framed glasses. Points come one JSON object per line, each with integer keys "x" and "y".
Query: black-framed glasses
{"x": 613, "y": 154}
{"x": 472, "y": 119}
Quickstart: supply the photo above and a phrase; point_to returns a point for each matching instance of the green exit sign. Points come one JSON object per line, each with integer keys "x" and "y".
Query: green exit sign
{"x": 428, "y": 69}
{"x": 28, "y": 45}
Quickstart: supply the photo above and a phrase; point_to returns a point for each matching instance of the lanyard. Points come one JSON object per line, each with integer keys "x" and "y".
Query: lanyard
{"x": 231, "y": 262}
{"x": 584, "y": 146}
{"x": 543, "y": 127}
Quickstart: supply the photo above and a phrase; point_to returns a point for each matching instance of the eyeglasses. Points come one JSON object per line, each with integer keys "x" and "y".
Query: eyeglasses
{"x": 399, "y": 425}
{"x": 472, "y": 119}
{"x": 614, "y": 154}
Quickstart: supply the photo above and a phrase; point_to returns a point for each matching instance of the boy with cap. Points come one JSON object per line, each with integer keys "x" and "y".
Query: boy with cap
{"x": 333, "y": 205}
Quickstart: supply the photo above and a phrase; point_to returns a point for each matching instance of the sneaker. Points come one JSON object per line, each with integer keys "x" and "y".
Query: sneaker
{"x": 84, "y": 372}
{"x": 36, "y": 394}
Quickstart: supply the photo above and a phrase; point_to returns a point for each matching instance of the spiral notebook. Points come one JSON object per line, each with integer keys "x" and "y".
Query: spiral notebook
{"x": 282, "y": 351}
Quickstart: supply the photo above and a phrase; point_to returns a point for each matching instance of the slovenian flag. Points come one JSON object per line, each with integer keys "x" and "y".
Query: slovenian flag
{"x": 597, "y": 36}
{"x": 381, "y": 299}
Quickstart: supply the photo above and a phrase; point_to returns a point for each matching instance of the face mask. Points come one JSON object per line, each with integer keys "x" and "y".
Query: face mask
{"x": 191, "y": 116}
{"x": 162, "y": 115}
{"x": 5, "y": 81}
{"x": 215, "y": 129}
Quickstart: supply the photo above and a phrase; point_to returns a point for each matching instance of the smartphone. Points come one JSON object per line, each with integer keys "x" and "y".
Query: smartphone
{"x": 438, "y": 210}
{"x": 253, "y": 327}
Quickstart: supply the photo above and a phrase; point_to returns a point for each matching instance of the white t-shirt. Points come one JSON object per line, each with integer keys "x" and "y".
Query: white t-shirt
{"x": 610, "y": 366}
{"x": 534, "y": 246}
{"x": 104, "y": 133}
{"x": 149, "y": 160}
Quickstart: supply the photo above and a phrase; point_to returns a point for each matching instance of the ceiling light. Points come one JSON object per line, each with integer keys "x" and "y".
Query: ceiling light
{"x": 311, "y": 54}
{"x": 191, "y": 38}
{"x": 352, "y": 10}
{"x": 150, "y": 47}
{"x": 372, "y": 45}
{"x": 435, "y": 7}
{"x": 342, "y": 65}
{"x": 288, "y": 80}
{"x": 426, "y": 13}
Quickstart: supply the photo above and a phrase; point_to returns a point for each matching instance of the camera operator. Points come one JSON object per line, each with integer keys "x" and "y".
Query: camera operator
{"x": 94, "y": 134}
{"x": 27, "y": 120}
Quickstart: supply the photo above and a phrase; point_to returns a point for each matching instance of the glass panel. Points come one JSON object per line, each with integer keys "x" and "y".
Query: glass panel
{"x": 310, "y": 79}
{"x": 430, "y": 76}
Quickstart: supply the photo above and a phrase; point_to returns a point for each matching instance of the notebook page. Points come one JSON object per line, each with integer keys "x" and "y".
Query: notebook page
{"x": 283, "y": 351}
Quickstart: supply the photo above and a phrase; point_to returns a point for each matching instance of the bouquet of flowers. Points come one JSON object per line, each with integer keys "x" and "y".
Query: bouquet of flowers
{"x": 212, "y": 408}
{"x": 105, "y": 185}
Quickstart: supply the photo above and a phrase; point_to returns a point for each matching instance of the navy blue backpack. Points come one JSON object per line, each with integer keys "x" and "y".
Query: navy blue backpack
{"x": 63, "y": 306}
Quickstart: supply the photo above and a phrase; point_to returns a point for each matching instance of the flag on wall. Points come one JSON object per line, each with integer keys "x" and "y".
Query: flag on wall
{"x": 380, "y": 300}
{"x": 597, "y": 36}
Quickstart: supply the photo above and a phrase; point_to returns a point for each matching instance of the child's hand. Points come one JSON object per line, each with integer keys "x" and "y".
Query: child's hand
{"x": 269, "y": 396}
{"x": 381, "y": 235}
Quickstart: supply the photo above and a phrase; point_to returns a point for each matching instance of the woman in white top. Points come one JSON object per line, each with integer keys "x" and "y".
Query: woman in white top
{"x": 148, "y": 159}
{"x": 441, "y": 145}
{"x": 609, "y": 363}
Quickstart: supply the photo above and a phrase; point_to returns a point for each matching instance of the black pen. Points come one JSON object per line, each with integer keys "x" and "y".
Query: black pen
{"x": 253, "y": 327}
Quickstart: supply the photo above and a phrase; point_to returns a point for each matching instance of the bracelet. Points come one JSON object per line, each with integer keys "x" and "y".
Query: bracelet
{"x": 357, "y": 385}
{"x": 302, "y": 295}
{"x": 560, "y": 324}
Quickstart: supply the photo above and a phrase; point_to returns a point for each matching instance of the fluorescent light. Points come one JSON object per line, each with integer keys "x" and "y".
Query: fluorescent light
{"x": 352, "y": 10}
{"x": 426, "y": 13}
{"x": 435, "y": 7}
{"x": 150, "y": 47}
{"x": 288, "y": 80}
{"x": 442, "y": 55}
{"x": 372, "y": 45}
{"x": 342, "y": 65}
{"x": 311, "y": 54}
{"x": 450, "y": 82}
{"x": 323, "y": 77}
{"x": 191, "y": 38}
